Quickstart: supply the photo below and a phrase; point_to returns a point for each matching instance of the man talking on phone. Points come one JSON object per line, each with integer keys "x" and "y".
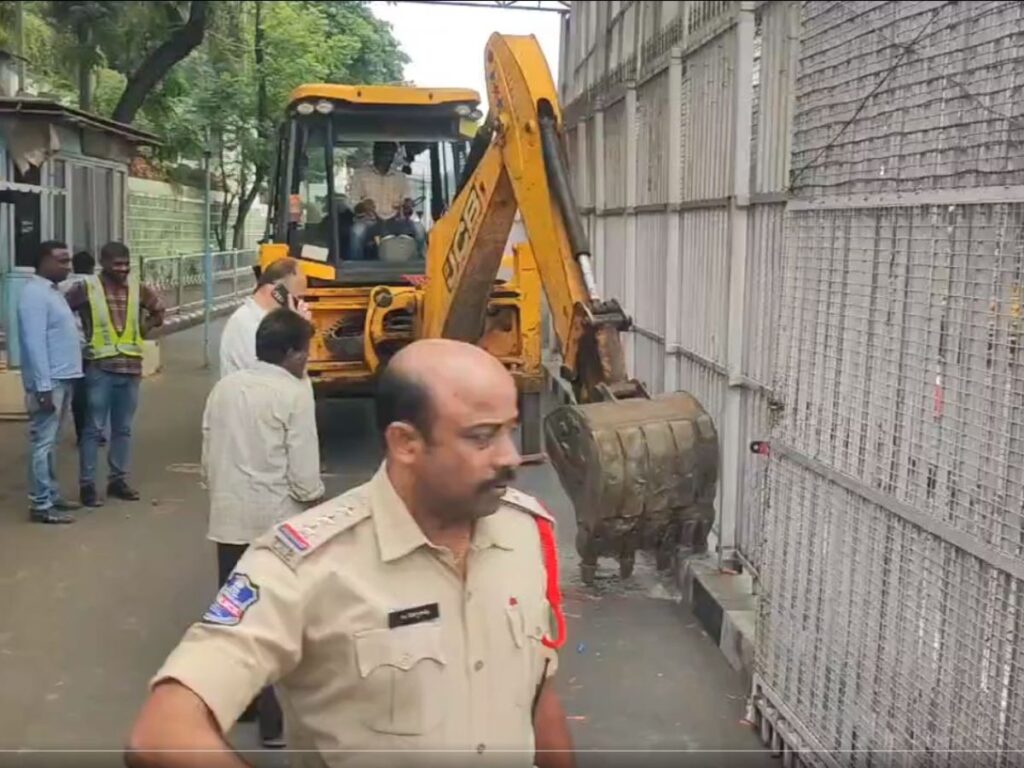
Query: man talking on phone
{"x": 280, "y": 285}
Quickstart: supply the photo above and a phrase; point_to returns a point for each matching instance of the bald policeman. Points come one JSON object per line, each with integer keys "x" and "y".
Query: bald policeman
{"x": 406, "y": 622}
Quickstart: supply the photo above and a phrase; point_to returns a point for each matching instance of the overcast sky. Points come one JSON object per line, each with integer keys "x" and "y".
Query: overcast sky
{"x": 446, "y": 43}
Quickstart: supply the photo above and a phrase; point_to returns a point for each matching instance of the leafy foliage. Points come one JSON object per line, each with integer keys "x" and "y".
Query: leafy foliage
{"x": 225, "y": 96}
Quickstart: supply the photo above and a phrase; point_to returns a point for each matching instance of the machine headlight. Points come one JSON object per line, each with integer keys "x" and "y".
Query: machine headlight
{"x": 476, "y": 114}
{"x": 462, "y": 110}
{"x": 324, "y": 107}
{"x": 305, "y": 108}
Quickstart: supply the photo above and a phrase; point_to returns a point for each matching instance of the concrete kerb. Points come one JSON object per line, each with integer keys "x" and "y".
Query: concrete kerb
{"x": 724, "y": 603}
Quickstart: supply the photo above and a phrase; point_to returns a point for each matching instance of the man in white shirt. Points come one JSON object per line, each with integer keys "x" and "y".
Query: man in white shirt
{"x": 380, "y": 182}
{"x": 261, "y": 458}
{"x": 238, "y": 342}
{"x": 386, "y": 191}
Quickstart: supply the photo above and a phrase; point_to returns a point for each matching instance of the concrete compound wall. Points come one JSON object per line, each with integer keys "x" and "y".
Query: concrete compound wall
{"x": 162, "y": 220}
{"x": 166, "y": 219}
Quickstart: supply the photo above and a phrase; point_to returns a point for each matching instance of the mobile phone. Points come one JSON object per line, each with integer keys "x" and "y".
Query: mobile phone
{"x": 280, "y": 294}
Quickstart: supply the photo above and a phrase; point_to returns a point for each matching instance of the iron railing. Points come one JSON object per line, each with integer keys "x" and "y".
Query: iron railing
{"x": 179, "y": 278}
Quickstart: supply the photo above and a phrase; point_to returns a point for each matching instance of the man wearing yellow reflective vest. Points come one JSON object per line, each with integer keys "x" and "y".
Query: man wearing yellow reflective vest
{"x": 117, "y": 312}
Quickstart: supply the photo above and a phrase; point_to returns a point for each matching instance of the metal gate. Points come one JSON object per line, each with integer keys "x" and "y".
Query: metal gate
{"x": 816, "y": 213}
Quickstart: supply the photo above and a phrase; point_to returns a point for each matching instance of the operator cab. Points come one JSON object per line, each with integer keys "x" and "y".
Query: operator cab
{"x": 363, "y": 172}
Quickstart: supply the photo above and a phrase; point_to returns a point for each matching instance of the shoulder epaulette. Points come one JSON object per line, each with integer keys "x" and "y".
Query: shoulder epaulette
{"x": 526, "y": 503}
{"x": 302, "y": 535}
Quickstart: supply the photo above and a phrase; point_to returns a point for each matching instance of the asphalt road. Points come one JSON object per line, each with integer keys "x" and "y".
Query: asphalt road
{"x": 89, "y": 611}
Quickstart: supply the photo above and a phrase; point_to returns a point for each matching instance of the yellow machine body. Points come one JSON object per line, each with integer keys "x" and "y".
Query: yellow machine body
{"x": 641, "y": 471}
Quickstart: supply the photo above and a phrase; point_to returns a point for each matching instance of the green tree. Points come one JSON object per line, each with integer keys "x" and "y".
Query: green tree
{"x": 366, "y": 50}
{"x": 141, "y": 40}
{"x": 248, "y": 78}
{"x": 47, "y": 49}
{"x": 185, "y": 33}
{"x": 204, "y": 74}
{"x": 82, "y": 23}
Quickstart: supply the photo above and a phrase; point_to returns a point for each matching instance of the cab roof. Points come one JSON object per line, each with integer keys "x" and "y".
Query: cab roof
{"x": 397, "y": 95}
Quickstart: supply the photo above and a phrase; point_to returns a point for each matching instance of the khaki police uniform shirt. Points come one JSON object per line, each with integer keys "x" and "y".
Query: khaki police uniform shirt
{"x": 375, "y": 640}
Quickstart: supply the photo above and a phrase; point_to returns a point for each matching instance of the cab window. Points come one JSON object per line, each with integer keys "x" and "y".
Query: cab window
{"x": 363, "y": 199}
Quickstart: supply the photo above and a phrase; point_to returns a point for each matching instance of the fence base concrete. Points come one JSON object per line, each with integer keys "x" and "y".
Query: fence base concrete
{"x": 725, "y": 605}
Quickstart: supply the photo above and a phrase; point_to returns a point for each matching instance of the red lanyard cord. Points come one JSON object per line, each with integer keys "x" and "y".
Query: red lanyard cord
{"x": 549, "y": 551}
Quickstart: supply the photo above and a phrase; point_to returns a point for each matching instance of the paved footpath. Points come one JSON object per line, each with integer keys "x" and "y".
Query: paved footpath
{"x": 89, "y": 611}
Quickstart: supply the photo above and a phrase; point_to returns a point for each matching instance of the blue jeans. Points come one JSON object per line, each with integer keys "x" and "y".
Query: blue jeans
{"x": 113, "y": 396}
{"x": 359, "y": 240}
{"x": 43, "y": 434}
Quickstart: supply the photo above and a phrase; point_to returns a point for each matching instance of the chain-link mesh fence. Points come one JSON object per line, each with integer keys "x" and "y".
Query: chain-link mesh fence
{"x": 891, "y": 619}
{"x": 879, "y": 245}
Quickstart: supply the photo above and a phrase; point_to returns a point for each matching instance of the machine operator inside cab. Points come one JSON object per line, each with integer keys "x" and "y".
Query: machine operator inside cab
{"x": 362, "y": 174}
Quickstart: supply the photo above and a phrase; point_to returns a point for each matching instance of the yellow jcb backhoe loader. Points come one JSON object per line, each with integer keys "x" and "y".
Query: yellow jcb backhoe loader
{"x": 641, "y": 471}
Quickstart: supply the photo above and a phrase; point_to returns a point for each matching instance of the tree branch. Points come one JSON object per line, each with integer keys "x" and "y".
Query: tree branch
{"x": 261, "y": 75}
{"x": 248, "y": 196}
{"x": 245, "y": 205}
{"x": 160, "y": 61}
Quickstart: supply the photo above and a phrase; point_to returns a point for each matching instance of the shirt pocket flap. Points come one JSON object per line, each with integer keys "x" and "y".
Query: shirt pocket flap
{"x": 402, "y": 648}
{"x": 516, "y": 624}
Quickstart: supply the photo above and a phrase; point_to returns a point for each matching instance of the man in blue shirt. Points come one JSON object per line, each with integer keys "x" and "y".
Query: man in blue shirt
{"x": 51, "y": 361}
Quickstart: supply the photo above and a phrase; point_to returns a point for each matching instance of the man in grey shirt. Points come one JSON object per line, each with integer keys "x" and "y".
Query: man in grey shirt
{"x": 261, "y": 458}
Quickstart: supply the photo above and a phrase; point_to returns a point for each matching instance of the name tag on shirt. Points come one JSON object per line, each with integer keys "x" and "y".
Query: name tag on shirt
{"x": 417, "y": 615}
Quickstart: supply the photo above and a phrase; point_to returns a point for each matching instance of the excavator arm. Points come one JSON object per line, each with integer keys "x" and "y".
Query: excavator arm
{"x": 517, "y": 162}
{"x": 641, "y": 472}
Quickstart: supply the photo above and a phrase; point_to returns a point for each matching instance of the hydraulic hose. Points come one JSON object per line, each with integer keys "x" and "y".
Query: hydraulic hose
{"x": 561, "y": 188}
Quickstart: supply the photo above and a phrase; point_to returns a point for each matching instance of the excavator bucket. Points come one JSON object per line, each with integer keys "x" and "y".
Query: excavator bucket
{"x": 641, "y": 473}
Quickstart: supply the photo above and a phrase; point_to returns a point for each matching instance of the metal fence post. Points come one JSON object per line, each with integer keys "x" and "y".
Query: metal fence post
{"x": 179, "y": 279}
{"x": 629, "y": 268}
{"x": 207, "y": 257}
{"x": 234, "y": 274}
{"x": 673, "y": 268}
{"x": 597, "y": 241}
{"x": 732, "y": 432}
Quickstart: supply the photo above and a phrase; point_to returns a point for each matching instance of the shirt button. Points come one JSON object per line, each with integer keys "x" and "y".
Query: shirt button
{"x": 480, "y": 748}
{"x": 406, "y": 658}
{"x": 478, "y": 666}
